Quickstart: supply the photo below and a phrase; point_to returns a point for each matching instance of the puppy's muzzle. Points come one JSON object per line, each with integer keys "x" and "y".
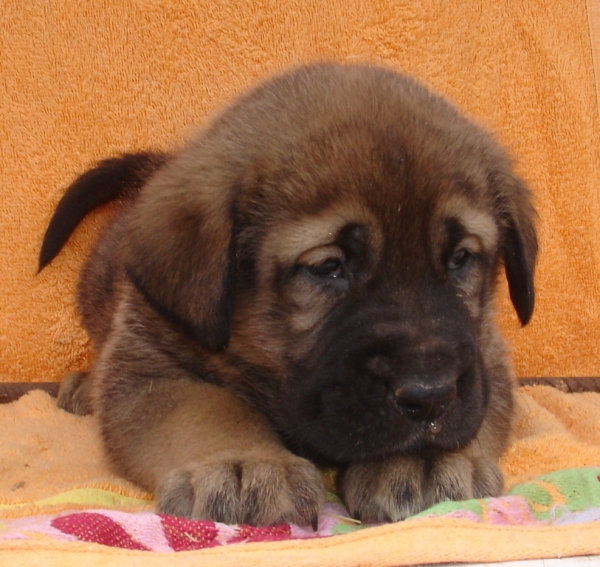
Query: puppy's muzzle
{"x": 383, "y": 382}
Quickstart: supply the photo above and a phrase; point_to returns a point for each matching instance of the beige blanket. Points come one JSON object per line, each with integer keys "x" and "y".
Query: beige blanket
{"x": 51, "y": 466}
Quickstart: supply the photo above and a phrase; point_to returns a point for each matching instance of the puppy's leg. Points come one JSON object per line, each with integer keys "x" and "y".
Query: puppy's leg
{"x": 206, "y": 453}
{"x": 75, "y": 393}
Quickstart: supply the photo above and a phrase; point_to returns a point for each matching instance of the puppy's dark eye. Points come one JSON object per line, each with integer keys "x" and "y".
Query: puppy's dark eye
{"x": 325, "y": 267}
{"x": 460, "y": 259}
{"x": 330, "y": 268}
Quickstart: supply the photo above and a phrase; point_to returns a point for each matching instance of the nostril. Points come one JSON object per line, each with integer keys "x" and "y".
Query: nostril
{"x": 420, "y": 401}
{"x": 416, "y": 412}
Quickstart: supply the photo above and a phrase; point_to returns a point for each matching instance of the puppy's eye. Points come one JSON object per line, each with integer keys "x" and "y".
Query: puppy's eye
{"x": 329, "y": 268}
{"x": 461, "y": 259}
{"x": 325, "y": 266}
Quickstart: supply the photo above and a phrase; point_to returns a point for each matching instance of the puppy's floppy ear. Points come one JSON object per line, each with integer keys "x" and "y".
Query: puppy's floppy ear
{"x": 519, "y": 244}
{"x": 179, "y": 250}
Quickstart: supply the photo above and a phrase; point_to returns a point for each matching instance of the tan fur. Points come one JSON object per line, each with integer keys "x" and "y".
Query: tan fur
{"x": 479, "y": 223}
{"x": 311, "y": 279}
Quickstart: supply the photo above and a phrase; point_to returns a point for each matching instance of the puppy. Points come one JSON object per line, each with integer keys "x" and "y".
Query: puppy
{"x": 309, "y": 281}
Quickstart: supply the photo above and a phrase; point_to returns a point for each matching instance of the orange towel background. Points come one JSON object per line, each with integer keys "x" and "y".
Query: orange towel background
{"x": 81, "y": 80}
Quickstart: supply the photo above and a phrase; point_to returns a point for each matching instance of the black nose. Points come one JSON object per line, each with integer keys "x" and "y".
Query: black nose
{"x": 422, "y": 381}
{"x": 421, "y": 401}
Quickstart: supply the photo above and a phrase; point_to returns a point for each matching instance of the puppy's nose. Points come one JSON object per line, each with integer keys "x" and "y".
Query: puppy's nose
{"x": 422, "y": 401}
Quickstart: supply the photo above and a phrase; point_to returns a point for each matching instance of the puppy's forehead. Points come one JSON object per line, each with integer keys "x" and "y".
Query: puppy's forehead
{"x": 330, "y": 146}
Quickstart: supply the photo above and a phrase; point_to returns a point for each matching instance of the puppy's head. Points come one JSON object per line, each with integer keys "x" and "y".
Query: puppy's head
{"x": 336, "y": 234}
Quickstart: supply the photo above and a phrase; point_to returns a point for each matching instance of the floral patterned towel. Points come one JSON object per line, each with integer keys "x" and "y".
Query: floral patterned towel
{"x": 565, "y": 497}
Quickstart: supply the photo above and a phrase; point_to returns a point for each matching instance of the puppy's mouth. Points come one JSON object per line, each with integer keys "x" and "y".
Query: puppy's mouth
{"x": 350, "y": 412}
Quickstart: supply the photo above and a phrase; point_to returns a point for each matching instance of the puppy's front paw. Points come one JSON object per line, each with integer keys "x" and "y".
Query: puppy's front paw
{"x": 397, "y": 487}
{"x": 254, "y": 489}
{"x": 75, "y": 393}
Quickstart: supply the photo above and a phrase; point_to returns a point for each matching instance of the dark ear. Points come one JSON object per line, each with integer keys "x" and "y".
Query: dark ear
{"x": 180, "y": 253}
{"x": 519, "y": 245}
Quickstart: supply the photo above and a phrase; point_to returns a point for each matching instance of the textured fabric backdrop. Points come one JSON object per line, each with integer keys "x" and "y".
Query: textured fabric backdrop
{"x": 81, "y": 80}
